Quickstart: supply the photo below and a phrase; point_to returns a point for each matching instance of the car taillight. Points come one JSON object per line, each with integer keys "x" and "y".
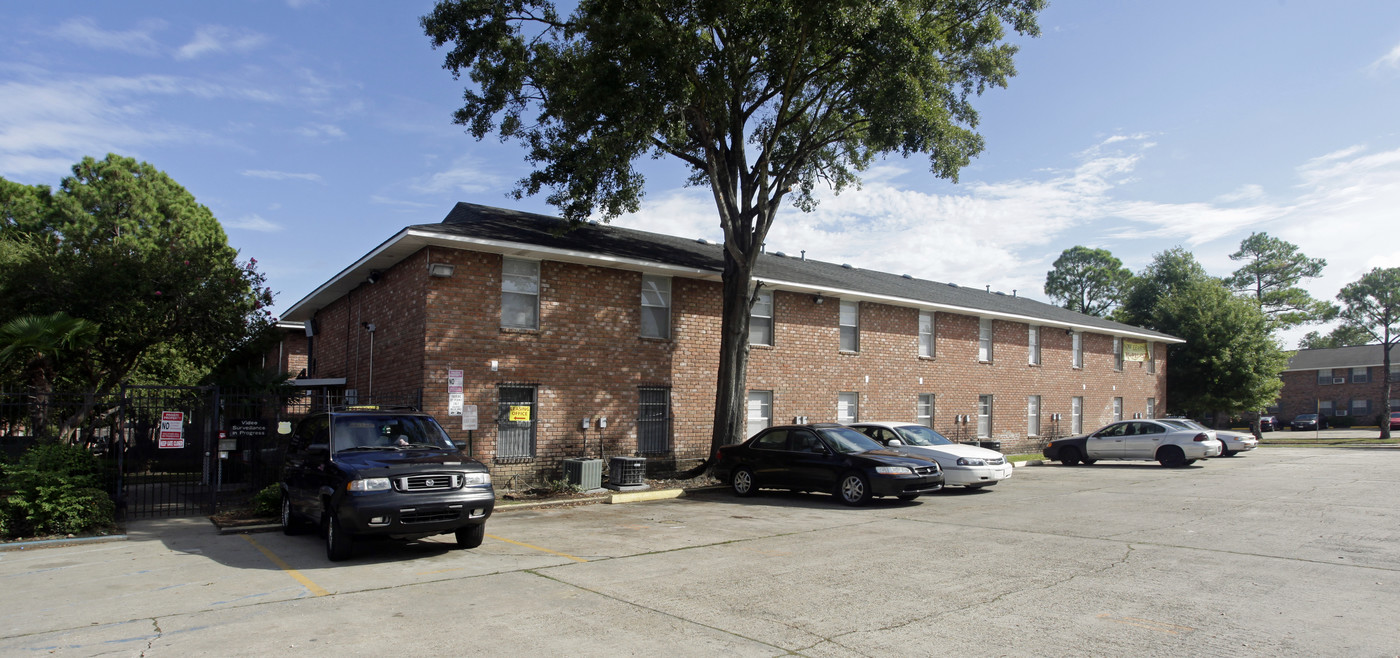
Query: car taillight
{"x": 1201, "y": 437}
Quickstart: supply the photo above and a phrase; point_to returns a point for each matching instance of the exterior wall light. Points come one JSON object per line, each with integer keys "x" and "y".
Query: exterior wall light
{"x": 440, "y": 270}
{"x": 818, "y": 299}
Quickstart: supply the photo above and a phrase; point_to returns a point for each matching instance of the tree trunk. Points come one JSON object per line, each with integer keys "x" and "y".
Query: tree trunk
{"x": 1385, "y": 372}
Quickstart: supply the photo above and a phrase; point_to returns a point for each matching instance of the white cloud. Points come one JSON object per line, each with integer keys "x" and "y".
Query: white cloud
{"x": 254, "y": 222}
{"x": 281, "y": 175}
{"x": 407, "y": 205}
{"x": 85, "y": 32}
{"x": 321, "y": 131}
{"x": 465, "y": 176}
{"x": 1390, "y": 60}
{"x": 212, "y": 39}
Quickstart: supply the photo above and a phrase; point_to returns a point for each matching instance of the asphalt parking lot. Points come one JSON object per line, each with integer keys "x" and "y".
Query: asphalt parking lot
{"x": 1281, "y": 551}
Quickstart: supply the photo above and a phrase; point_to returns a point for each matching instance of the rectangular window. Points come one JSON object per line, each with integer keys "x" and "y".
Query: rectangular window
{"x": 760, "y": 411}
{"x": 761, "y": 319}
{"x": 1360, "y": 407}
{"x": 1117, "y": 409}
{"x": 1076, "y": 341}
{"x": 1151, "y": 407}
{"x": 520, "y": 293}
{"x": 1324, "y": 407}
{"x": 924, "y": 414}
{"x": 1076, "y": 415}
{"x": 847, "y": 408}
{"x": 1033, "y": 415}
{"x": 656, "y": 306}
{"x": 1395, "y": 372}
{"x": 984, "y": 416}
{"x": 1117, "y": 353}
{"x": 515, "y": 422}
{"x": 1033, "y": 345}
{"x": 1151, "y": 358}
{"x": 653, "y": 420}
{"x": 1360, "y": 375}
{"x": 926, "y": 347}
{"x": 984, "y": 340}
{"x": 850, "y": 326}
{"x": 1324, "y": 377}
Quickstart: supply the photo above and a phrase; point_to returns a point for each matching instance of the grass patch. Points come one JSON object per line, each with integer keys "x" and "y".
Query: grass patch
{"x": 1349, "y": 441}
{"x": 1024, "y": 457}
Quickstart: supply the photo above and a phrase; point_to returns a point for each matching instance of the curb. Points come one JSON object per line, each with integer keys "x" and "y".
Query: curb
{"x": 54, "y": 543}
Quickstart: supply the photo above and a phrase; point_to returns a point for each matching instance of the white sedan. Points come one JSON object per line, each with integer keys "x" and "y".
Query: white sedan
{"x": 1234, "y": 442}
{"x": 963, "y": 465}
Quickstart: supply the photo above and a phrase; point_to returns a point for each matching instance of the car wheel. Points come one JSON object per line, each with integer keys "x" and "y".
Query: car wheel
{"x": 290, "y": 525}
{"x": 1226, "y": 453}
{"x": 743, "y": 483}
{"x": 471, "y": 536}
{"x": 1171, "y": 457}
{"x": 338, "y": 542}
{"x": 1090, "y": 462}
{"x": 1069, "y": 456}
{"x": 908, "y": 497}
{"x": 1191, "y": 461}
{"x": 853, "y": 489}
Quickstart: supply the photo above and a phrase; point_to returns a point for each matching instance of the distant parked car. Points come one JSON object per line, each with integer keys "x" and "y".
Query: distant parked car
{"x": 1268, "y": 423}
{"x": 1308, "y": 422}
{"x": 1395, "y": 420}
{"x": 963, "y": 465}
{"x": 824, "y": 457}
{"x": 1150, "y": 440}
{"x": 1232, "y": 443}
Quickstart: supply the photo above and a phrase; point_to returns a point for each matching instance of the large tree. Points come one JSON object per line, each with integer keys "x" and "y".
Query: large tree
{"x": 122, "y": 245}
{"x": 1271, "y": 273}
{"x": 1090, "y": 281}
{"x": 760, "y": 101}
{"x": 1340, "y": 336}
{"x": 1372, "y": 304}
{"x": 1168, "y": 273}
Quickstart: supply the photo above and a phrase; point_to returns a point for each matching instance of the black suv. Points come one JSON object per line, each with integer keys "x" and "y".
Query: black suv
{"x": 385, "y": 472}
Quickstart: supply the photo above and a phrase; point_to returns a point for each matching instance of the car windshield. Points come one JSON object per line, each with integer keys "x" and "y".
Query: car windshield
{"x": 918, "y": 435}
{"x": 1305, "y": 417}
{"x": 848, "y": 441}
{"x": 388, "y": 432}
{"x": 1184, "y": 422}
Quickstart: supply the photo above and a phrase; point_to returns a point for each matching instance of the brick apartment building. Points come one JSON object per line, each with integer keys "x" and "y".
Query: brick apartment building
{"x": 1340, "y": 383}
{"x": 604, "y": 341}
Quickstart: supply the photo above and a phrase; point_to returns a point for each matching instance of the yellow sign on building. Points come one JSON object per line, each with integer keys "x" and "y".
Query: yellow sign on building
{"x": 1134, "y": 351}
{"x": 520, "y": 414}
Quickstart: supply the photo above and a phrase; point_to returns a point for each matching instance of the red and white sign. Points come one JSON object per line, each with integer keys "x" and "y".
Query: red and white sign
{"x": 172, "y": 429}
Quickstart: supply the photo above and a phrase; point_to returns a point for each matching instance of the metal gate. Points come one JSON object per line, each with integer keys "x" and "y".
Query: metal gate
{"x": 166, "y": 463}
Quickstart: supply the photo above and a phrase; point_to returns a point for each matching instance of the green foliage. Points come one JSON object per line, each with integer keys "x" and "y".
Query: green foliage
{"x": 1168, "y": 272}
{"x": 54, "y": 489}
{"x": 122, "y": 245}
{"x": 268, "y": 502}
{"x": 1340, "y": 336}
{"x": 1371, "y": 305}
{"x": 561, "y": 487}
{"x": 1271, "y": 275}
{"x": 1089, "y": 281}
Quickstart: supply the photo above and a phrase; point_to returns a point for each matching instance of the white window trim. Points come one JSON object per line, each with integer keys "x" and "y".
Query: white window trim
{"x": 841, "y": 326}
{"x": 1076, "y": 348}
{"x": 665, "y": 295}
{"x": 1032, "y": 415}
{"x": 767, "y": 297}
{"x": 849, "y": 403}
{"x": 928, "y": 341}
{"x": 986, "y": 340}
{"x": 538, "y": 277}
{"x": 1033, "y": 345}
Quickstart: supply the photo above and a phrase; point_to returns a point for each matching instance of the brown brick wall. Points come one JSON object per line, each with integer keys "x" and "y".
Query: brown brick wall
{"x": 588, "y": 360}
{"x": 1302, "y": 392}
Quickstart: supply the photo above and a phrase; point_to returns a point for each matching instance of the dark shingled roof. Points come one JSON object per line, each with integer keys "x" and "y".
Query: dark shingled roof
{"x": 1357, "y": 356}
{"x": 499, "y": 224}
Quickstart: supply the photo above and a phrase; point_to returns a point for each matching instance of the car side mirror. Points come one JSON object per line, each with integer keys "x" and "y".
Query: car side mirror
{"x": 460, "y": 445}
{"x": 895, "y": 442}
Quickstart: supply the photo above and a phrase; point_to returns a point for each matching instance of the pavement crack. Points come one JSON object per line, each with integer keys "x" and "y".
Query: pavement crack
{"x": 155, "y": 626}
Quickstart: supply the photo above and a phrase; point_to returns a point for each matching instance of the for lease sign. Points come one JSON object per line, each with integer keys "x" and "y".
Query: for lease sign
{"x": 172, "y": 429}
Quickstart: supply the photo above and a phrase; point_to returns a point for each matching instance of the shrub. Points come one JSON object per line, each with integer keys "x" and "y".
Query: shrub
{"x": 54, "y": 489}
{"x": 1341, "y": 421}
{"x": 268, "y": 502}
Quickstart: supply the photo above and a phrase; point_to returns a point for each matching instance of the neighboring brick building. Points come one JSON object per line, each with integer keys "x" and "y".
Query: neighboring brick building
{"x": 553, "y": 331}
{"x": 1342, "y": 382}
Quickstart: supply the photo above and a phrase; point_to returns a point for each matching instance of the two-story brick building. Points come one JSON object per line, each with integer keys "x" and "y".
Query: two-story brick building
{"x": 1342, "y": 382}
{"x": 603, "y": 340}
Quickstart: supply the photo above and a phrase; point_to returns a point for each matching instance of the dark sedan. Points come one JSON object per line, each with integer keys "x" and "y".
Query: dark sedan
{"x": 1309, "y": 422}
{"x": 824, "y": 457}
{"x": 1268, "y": 423}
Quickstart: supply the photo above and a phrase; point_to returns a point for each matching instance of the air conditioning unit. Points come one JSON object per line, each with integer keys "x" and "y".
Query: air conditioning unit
{"x": 1339, "y": 380}
{"x": 627, "y": 473}
{"x": 586, "y": 474}
{"x": 1340, "y": 412}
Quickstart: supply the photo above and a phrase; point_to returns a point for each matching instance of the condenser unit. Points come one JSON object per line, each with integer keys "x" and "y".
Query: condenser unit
{"x": 627, "y": 473}
{"x": 586, "y": 474}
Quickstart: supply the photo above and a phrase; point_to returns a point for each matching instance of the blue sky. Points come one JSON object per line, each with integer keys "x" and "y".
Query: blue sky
{"x": 316, "y": 130}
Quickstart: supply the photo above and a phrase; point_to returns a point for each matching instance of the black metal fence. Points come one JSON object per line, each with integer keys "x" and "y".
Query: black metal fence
{"x": 174, "y": 451}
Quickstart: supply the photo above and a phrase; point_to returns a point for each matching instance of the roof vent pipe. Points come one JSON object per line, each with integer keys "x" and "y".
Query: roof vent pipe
{"x": 804, "y": 255}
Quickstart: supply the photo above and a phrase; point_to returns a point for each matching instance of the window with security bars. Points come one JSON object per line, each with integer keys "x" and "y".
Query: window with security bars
{"x": 654, "y": 420}
{"x": 515, "y": 422}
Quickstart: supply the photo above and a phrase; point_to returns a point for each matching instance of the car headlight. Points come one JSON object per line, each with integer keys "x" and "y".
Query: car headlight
{"x": 477, "y": 478}
{"x": 964, "y": 461}
{"x": 894, "y": 470}
{"x": 368, "y": 484}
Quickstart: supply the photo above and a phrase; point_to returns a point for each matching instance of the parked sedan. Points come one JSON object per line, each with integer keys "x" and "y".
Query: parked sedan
{"x": 824, "y": 457}
{"x": 1232, "y": 443}
{"x": 963, "y": 465}
{"x": 1395, "y": 420}
{"x": 1268, "y": 423}
{"x": 1308, "y": 422}
{"x": 1151, "y": 440}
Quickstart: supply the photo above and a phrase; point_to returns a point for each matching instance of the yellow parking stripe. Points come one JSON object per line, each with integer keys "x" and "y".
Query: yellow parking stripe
{"x": 281, "y": 564}
{"x": 537, "y": 548}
